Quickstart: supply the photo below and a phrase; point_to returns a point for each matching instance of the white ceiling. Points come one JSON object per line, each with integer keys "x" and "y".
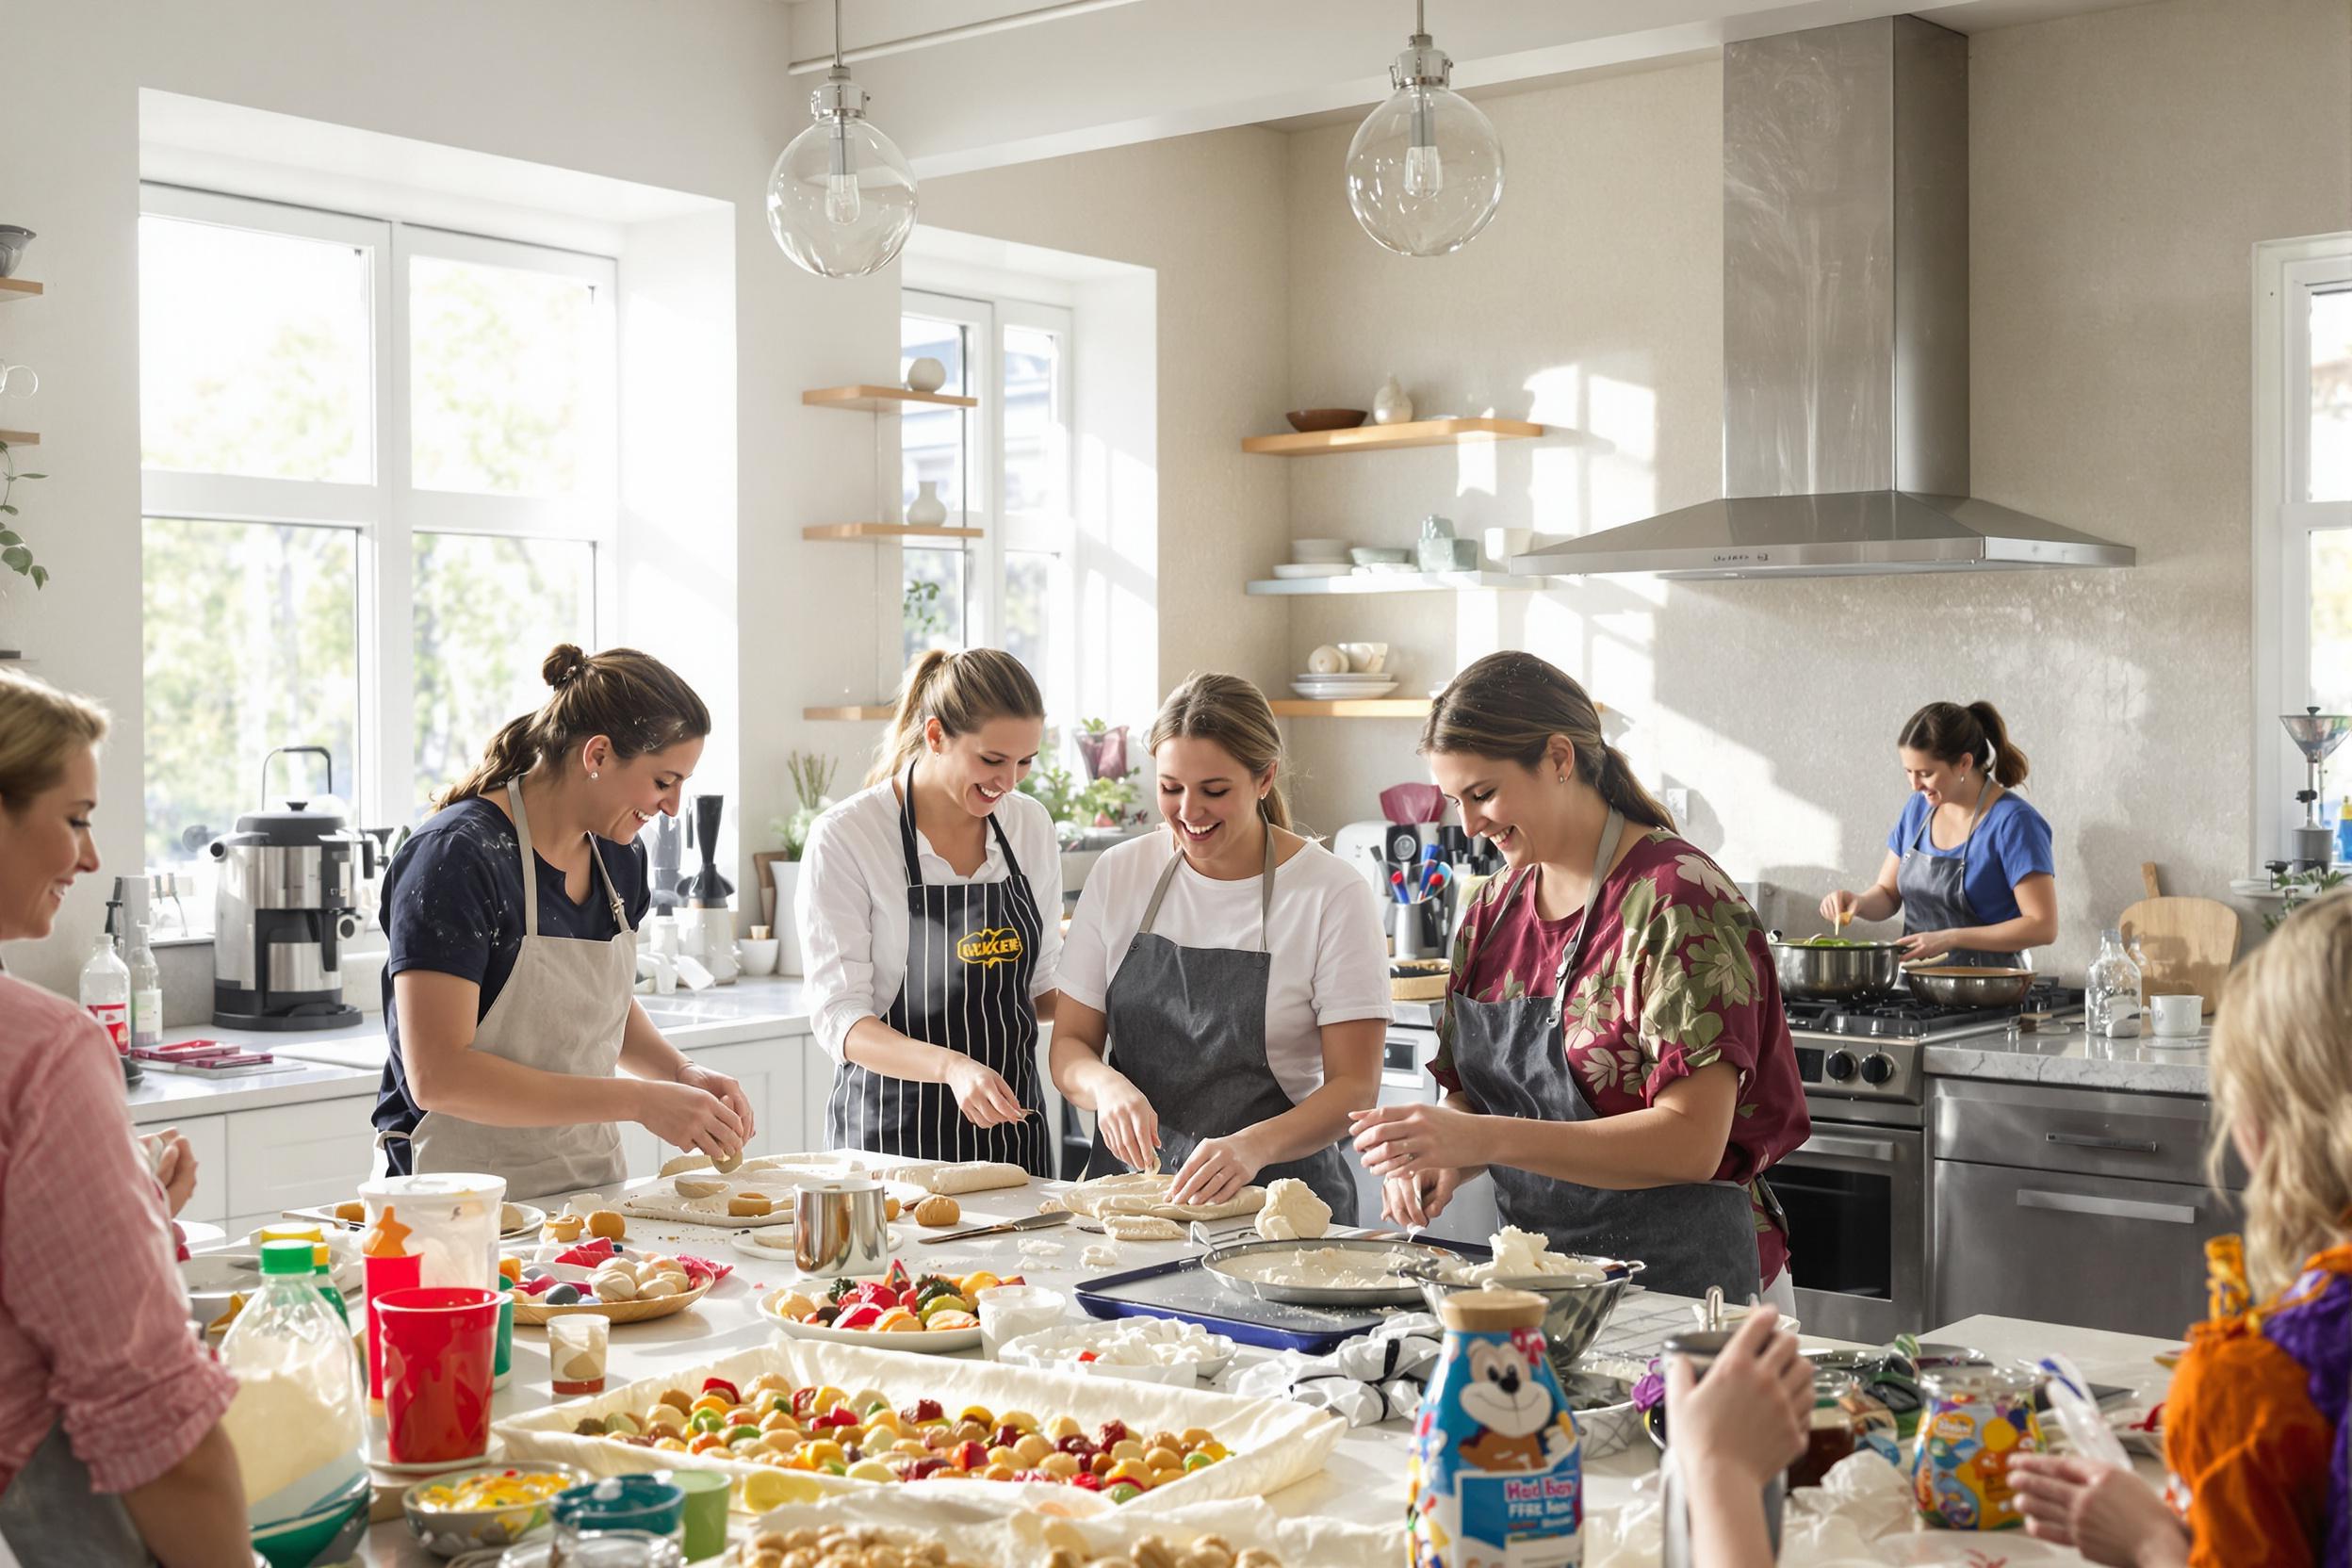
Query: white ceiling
{"x": 1014, "y": 80}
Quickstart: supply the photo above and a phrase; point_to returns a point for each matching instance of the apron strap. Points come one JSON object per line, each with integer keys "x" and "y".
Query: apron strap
{"x": 1611, "y": 831}
{"x": 906, "y": 828}
{"x": 1266, "y": 894}
{"x": 531, "y": 868}
{"x": 1927, "y": 822}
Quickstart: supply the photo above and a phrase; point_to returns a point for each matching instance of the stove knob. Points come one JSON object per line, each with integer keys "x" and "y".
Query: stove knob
{"x": 1877, "y": 1068}
{"x": 1840, "y": 1066}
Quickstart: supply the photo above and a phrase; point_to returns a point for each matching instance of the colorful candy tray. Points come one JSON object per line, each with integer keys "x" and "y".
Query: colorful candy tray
{"x": 1183, "y": 1289}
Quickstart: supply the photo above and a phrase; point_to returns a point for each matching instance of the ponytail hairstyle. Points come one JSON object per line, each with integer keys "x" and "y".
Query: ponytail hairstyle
{"x": 39, "y": 725}
{"x": 963, "y": 691}
{"x": 1948, "y": 732}
{"x": 1231, "y": 712}
{"x": 632, "y": 699}
{"x": 1510, "y": 705}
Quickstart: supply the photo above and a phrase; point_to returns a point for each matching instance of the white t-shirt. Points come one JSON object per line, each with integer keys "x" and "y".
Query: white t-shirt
{"x": 852, "y": 903}
{"x": 1329, "y": 957}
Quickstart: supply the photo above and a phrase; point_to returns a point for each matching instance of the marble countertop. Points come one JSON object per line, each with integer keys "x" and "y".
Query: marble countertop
{"x": 2064, "y": 1054}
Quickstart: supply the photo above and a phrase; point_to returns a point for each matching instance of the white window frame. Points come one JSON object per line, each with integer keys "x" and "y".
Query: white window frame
{"x": 2287, "y": 273}
{"x": 387, "y": 513}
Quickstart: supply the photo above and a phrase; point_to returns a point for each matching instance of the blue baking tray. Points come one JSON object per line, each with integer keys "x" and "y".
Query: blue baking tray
{"x": 1182, "y": 1289}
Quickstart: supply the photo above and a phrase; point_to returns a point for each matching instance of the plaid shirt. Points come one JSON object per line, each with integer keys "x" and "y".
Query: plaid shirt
{"x": 93, "y": 1319}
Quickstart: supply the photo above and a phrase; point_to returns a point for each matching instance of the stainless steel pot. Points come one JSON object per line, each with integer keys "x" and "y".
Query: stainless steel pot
{"x": 1958, "y": 987}
{"x": 1835, "y": 973}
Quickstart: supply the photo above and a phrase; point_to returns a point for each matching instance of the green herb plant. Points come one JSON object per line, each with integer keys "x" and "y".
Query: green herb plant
{"x": 812, "y": 773}
{"x": 14, "y": 553}
{"x": 2297, "y": 889}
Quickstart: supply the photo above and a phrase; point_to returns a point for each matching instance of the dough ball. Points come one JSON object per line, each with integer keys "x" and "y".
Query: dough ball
{"x": 938, "y": 1212}
{"x": 750, "y": 1205}
{"x": 890, "y": 1207}
{"x": 564, "y": 1227}
{"x": 692, "y": 1187}
{"x": 614, "y": 1284}
{"x": 1292, "y": 1211}
{"x": 685, "y": 1162}
{"x": 607, "y": 1223}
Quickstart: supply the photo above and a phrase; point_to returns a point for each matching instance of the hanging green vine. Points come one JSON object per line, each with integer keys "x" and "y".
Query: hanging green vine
{"x": 14, "y": 553}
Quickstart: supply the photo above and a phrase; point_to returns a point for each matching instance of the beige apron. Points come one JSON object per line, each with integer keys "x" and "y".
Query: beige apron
{"x": 562, "y": 1009}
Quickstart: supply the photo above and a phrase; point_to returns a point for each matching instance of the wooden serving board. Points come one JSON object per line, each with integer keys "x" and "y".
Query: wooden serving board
{"x": 2189, "y": 942}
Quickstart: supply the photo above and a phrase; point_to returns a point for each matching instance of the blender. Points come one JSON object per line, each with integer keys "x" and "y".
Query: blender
{"x": 2316, "y": 735}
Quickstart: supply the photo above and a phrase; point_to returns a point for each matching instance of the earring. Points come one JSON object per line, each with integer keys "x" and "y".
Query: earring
{"x": 593, "y": 773}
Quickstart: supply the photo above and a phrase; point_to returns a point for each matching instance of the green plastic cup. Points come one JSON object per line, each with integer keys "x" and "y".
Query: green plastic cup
{"x": 706, "y": 1495}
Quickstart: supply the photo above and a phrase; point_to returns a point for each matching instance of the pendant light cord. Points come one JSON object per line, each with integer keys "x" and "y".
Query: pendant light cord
{"x": 837, "y": 33}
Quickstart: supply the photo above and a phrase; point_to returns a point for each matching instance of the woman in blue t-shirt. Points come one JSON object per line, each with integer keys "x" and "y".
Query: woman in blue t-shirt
{"x": 511, "y": 914}
{"x": 1969, "y": 864}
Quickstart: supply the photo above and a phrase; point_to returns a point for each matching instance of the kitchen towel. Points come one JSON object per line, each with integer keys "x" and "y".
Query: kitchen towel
{"x": 1373, "y": 1377}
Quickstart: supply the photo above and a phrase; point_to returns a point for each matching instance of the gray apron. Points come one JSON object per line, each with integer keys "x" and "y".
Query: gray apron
{"x": 1512, "y": 1061}
{"x": 563, "y": 1009}
{"x": 971, "y": 952}
{"x": 50, "y": 1515}
{"x": 1187, "y": 1027}
{"x": 1935, "y": 893}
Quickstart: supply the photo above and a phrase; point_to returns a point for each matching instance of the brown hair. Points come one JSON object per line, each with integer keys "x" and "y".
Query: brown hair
{"x": 39, "y": 724}
{"x": 1230, "y": 712}
{"x": 632, "y": 699}
{"x": 2280, "y": 1069}
{"x": 1510, "y": 705}
{"x": 1948, "y": 732}
{"x": 963, "y": 691}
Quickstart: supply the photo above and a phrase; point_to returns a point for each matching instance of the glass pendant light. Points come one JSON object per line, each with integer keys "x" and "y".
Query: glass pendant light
{"x": 840, "y": 199}
{"x": 1425, "y": 173}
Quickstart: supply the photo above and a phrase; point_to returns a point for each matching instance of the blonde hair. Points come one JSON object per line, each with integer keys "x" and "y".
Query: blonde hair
{"x": 39, "y": 727}
{"x": 1511, "y": 704}
{"x": 2282, "y": 1070}
{"x": 632, "y": 699}
{"x": 1231, "y": 712}
{"x": 963, "y": 691}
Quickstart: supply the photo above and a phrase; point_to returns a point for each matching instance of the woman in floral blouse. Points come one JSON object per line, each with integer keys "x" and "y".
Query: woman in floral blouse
{"x": 1613, "y": 1043}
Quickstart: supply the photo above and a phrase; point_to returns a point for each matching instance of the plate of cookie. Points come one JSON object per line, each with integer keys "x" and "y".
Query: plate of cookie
{"x": 634, "y": 1289}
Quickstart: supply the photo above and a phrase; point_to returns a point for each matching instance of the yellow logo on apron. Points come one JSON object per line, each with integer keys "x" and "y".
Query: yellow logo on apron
{"x": 998, "y": 945}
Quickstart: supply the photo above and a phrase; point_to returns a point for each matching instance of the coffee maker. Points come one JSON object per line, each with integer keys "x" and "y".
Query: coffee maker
{"x": 287, "y": 901}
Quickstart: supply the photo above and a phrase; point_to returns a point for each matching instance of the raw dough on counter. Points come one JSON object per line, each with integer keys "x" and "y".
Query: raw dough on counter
{"x": 1293, "y": 1212}
{"x": 938, "y": 1212}
{"x": 956, "y": 1180}
{"x": 1134, "y": 1192}
{"x": 1141, "y": 1227}
{"x": 684, "y": 1163}
{"x": 1331, "y": 1268}
{"x": 698, "y": 1186}
{"x": 1101, "y": 1255}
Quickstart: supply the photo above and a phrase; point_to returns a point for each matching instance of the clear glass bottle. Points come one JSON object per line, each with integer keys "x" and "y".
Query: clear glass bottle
{"x": 106, "y": 992}
{"x": 2112, "y": 999}
{"x": 297, "y": 1417}
{"x": 146, "y": 990}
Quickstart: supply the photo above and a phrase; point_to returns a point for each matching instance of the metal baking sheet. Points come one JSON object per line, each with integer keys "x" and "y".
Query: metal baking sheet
{"x": 1183, "y": 1290}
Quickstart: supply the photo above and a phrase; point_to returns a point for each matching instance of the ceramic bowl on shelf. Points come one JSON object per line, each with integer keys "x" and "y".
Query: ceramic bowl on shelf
{"x": 1308, "y": 419}
{"x": 13, "y": 240}
{"x": 1294, "y": 571}
{"x": 1333, "y": 550}
{"x": 1316, "y": 690}
{"x": 1368, "y": 555}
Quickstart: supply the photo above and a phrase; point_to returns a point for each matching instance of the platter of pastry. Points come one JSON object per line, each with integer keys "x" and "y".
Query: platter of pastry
{"x": 624, "y": 1289}
{"x": 934, "y": 1314}
{"x": 1145, "y": 1194}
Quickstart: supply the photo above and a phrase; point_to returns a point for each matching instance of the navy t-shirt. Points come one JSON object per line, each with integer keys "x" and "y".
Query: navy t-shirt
{"x": 2011, "y": 844}
{"x": 453, "y": 904}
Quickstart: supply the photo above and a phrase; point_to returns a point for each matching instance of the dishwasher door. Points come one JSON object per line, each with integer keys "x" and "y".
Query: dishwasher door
{"x": 2098, "y": 1251}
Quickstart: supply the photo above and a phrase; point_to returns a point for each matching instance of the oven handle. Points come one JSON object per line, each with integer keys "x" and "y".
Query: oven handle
{"x": 2106, "y": 1208}
{"x": 2126, "y": 1146}
{"x": 1876, "y": 1150}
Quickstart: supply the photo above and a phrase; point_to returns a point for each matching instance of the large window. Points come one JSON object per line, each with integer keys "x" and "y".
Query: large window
{"x": 2303, "y": 509}
{"x": 379, "y": 486}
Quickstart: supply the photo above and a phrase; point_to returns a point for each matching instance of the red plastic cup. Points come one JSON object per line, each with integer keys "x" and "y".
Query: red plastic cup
{"x": 383, "y": 1276}
{"x": 440, "y": 1346}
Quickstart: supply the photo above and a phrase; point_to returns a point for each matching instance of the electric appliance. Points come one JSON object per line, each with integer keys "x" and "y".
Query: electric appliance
{"x": 285, "y": 901}
{"x": 705, "y": 893}
{"x": 2316, "y": 735}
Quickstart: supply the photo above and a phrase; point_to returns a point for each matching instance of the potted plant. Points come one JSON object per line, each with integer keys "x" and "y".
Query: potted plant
{"x": 14, "y": 552}
{"x": 811, "y": 773}
{"x": 2296, "y": 888}
{"x": 1104, "y": 748}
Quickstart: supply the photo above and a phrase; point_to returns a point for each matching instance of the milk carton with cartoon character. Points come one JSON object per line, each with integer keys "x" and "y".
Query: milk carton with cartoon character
{"x": 1495, "y": 1478}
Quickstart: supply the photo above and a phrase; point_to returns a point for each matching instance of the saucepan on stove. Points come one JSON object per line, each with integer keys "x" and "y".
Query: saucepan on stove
{"x": 1963, "y": 986}
{"x": 1835, "y": 969}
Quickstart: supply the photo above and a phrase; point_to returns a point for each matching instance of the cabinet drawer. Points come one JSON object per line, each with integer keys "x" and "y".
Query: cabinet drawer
{"x": 2090, "y": 1131}
{"x": 292, "y": 1157}
{"x": 208, "y": 1140}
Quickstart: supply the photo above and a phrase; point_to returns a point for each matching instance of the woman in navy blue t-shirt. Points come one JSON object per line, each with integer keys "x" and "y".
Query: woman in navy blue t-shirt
{"x": 1968, "y": 863}
{"x": 507, "y": 993}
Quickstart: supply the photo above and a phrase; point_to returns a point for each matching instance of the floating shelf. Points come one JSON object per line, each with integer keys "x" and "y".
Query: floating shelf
{"x": 21, "y": 437}
{"x": 1368, "y": 708}
{"x": 12, "y": 289}
{"x": 887, "y": 530}
{"x": 881, "y": 400}
{"x": 1381, "y": 438}
{"x": 1395, "y": 582}
{"x": 854, "y": 713}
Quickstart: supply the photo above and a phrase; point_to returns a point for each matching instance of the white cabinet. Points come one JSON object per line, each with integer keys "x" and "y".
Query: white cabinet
{"x": 758, "y": 1065}
{"x": 640, "y": 1150}
{"x": 294, "y": 1156}
{"x": 208, "y": 1140}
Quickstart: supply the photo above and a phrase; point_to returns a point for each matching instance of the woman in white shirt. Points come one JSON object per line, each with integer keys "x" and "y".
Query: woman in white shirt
{"x": 930, "y": 911}
{"x": 1236, "y": 970}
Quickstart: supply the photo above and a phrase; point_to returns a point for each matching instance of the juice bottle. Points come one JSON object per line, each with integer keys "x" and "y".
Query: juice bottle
{"x": 1495, "y": 1475}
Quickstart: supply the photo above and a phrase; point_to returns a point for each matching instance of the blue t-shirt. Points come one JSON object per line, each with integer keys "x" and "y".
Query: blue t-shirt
{"x": 453, "y": 904}
{"x": 2011, "y": 844}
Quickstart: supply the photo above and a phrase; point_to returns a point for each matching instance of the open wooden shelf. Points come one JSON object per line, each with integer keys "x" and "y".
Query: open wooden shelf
{"x": 1396, "y": 583}
{"x": 12, "y": 289}
{"x": 881, "y": 400}
{"x": 1369, "y": 708}
{"x": 21, "y": 437}
{"x": 887, "y": 530}
{"x": 1381, "y": 438}
{"x": 860, "y": 711}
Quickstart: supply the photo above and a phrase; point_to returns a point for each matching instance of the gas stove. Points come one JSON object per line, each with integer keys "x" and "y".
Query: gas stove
{"x": 1870, "y": 1049}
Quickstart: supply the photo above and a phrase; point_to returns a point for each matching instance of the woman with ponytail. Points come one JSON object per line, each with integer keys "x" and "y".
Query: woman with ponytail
{"x": 512, "y": 915}
{"x": 930, "y": 909}
{"x": 1613, "y": 1042}
{"x": 1234, "y": 970}
{"x": 1969, "y": 864}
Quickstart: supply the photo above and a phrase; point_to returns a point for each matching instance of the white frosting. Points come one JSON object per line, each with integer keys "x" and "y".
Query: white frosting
{"x": 1293, "y": 1212}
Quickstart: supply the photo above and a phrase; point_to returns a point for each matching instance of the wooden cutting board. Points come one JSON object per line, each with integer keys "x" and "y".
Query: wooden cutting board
{"x": 2189, "y": 943}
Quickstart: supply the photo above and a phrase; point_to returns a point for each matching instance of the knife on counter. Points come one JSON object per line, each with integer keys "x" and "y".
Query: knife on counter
{"x": 1026, "y": 1222}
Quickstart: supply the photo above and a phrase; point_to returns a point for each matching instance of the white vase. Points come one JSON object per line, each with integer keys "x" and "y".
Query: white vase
{"x": 926, "y": 375}
{"x": 1390, "y": 406}
{"x": 926, "y": 509}
{"x": 785, "y": 875}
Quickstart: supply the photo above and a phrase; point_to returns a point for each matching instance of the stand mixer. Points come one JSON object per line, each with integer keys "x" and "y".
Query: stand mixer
{"x": 705, "y": 893}
{"x": 2316, "y": 735}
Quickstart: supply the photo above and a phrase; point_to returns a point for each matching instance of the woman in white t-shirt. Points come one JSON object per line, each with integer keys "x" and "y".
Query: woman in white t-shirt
{"x": 1236, "y": 969}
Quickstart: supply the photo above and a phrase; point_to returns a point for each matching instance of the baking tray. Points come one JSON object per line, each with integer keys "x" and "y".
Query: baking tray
{"x": 1220, "y": 1262}
{"x": 1183, "y": 1289}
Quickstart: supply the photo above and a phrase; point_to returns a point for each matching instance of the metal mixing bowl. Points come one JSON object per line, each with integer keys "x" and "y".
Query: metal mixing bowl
{"x": 1835, "y": 973}
{"x": 1949, "y": 987}
{"x": 1575, "y": 1311}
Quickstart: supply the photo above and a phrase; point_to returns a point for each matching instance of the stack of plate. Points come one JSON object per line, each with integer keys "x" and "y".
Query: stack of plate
{"x": 1343, "y": 688}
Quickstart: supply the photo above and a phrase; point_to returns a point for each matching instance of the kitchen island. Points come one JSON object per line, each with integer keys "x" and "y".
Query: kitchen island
{"x": 1365, "y": 1479}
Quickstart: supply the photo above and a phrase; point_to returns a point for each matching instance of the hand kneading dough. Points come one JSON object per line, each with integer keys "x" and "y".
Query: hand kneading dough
{"x": 1293, "y": 1212}
{"x": 1138, "y": 1226}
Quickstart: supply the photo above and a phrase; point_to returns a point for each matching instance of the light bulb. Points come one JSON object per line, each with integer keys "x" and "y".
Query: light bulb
{"x": 1425, "y": 171}
{"x": 840, "y": 180}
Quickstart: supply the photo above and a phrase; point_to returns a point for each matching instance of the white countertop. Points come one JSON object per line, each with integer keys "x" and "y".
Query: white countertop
{"x": 1364, "y": 1481}
{"x": 2064, "y": 1054}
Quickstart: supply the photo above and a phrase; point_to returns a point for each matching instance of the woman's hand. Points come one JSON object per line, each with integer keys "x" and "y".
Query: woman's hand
{"x": 726, "y": 1090}
{"x": 1129, "y": 1125}
{"x": 1418, "y": 1199}
{"x": 1920, "y": 946}
{"x": 1747, "y": 1418}
{"x": 1839, "y": 907}
{"x": 174, "y": 1165}
{"x": 1219, "y": 1169}
{"x": 1402, "y": 1140}
{"x": 2107, "y": 1513}
{"x": 687, "y": 1116}
{"x": 982, "y": 1093}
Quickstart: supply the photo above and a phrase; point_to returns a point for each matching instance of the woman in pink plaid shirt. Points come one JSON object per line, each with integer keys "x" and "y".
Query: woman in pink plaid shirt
{"x": 111, "y": 1442}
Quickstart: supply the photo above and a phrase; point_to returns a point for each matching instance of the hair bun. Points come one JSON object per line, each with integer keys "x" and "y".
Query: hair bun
{"x": 564, "y": 664}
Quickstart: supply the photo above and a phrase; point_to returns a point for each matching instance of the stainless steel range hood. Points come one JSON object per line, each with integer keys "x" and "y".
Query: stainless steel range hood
{"x": 1845, "y": 330}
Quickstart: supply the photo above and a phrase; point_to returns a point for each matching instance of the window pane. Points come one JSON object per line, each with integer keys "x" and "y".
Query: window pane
{"x": 503, "y": 395}
{"x": 933, "y": 600}
{"x": 253, "y": 354}
{"x": 1030, "y": 577}
{"x": 487, "y": 611}
{"x": 1037, "y": 461}
{"x": 2331, "y": 619}
{"x": 931, "y": 439}
{"x": 251, "y": 641}
{"x": 2331, "y": 396}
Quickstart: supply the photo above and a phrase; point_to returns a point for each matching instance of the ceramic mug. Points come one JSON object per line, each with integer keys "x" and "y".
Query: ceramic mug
{"x": 2177, "y": 1016}
{"x": 1365, "y": 657}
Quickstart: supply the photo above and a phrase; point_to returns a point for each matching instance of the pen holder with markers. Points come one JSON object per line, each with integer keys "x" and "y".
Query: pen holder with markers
{"x": 1419, "y": 928}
